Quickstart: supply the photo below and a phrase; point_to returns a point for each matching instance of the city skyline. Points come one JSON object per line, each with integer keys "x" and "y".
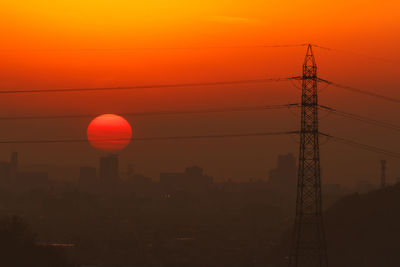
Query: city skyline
{"x": 223, "y": 49}
{"x": 199, "y": 133}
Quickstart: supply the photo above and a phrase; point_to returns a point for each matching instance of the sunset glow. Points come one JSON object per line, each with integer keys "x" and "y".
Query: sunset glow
{"x": 109, "y": 133}
{"x": 240, "y": 121}
{"x": 116, "y": 43}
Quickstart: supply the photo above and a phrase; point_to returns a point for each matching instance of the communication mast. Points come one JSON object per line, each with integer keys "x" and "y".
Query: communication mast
{"x": 383, "y": 173}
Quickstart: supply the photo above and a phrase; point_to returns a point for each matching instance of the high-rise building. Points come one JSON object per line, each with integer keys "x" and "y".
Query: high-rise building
{"x": 193, "y": 179}
{"x": 11, "y": 174}
{"x": 8, "y": 170}
{"x": 87, "y": 174}
{"x": 14, "y": 165}
{"x": 284, "y": 177}
{"x": 109, "y": 168}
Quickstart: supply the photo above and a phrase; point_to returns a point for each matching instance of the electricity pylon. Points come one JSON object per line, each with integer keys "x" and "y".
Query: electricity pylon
{"x": 308, "y": 242}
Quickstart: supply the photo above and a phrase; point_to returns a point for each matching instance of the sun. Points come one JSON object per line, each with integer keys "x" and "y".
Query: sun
{"x": 109, "y": 132}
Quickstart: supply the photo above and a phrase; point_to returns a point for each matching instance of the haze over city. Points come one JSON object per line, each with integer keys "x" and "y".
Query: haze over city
{"x": 176, "y": 121}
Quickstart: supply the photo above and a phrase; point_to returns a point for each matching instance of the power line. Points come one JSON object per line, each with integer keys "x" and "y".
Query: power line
{"x": 152, "y": 48}
{"x": 362, "y": 146}
{"x": 360, "y": 91}
{"x": 216, "y": 136}
{"x": 155, "y": 113}
{"x": 136, "y": 87}
{"x": 356, "y": 54}
{"x": 362, "y": 118}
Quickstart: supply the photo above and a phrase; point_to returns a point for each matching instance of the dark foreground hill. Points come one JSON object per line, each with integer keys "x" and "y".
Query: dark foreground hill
{"x": 362, "y": 230}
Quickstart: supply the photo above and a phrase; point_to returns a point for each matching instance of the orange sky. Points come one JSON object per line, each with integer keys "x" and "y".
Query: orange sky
{"x": 126, "y": 23}
{"x": 42, "y": 42}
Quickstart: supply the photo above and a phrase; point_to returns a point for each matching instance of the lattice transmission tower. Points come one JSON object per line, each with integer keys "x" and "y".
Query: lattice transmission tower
{"x": 308, "y": 241}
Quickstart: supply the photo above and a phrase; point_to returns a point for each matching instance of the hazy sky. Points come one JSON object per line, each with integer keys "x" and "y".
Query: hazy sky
{"x": 70, "y": 44}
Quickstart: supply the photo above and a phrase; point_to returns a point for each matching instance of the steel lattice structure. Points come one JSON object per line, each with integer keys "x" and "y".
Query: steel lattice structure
{"x": 308, "y": 242}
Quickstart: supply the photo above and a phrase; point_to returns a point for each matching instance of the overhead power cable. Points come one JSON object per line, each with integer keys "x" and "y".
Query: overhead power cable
{"x": 362, "y": 146}
{"x": 362, "y": 118}
{"x": 215, "y": 136}
{"x": 137, "y": 87}
{"x": 152, "y": 48}
{"x": 154, "y": 113}
{"x": 345, "y": 51}
{"x": 360, "y": 91}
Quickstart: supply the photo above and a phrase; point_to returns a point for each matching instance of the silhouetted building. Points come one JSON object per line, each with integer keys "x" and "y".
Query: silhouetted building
{"x": 141, "y": 185}
{"x": 4, "y": 171}
{"x": 109, "y": 168}
{"x": 364, "y": 186}
{"x": 30, "y": 180}
{"x": 193, "y": 179}
{"x": 87, "y": 176}
{"x": 14, "y": 165}
{"x": 139, "y": 180}
{"x": 8, "y": 170}
{"x": 332, "y": 189}
{"x": 284, "y": 177}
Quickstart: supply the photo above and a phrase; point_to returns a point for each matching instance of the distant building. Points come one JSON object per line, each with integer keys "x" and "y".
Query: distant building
{"x": 284, "y": 177}
{"x": 332, "y": 189}
{"x": 364, "y": 186}
{"x": 87, "y": 175}
{"x": 9, "y": 173}
{"x": 109, "y": 168}
{"x": 4, "y": 172}
{"x": 141, "y": 185}
{"x": 139, "y": 179}
{"x": 14, "y": 165}
{"x": 193, "y": 179}
{"x": 33, "y": 179}
{"x": 8, "y": 170}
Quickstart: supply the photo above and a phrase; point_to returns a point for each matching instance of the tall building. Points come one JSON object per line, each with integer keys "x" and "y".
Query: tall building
{"x": 284, "y": 177}
{"x": 14, "y": 165}
{"x": 11, "y": 174}
{"x": 109, "y": 168}
{"x": 87, "y": 174}
{"x": 28, "y": 180}
{"x": 364, "y": 186}
{"x": 192, "y": 180}
{"x": 8, "y": 170}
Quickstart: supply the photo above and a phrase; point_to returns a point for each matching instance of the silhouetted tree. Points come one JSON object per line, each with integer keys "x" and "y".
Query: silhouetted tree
{"x": 18, "y": 247}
